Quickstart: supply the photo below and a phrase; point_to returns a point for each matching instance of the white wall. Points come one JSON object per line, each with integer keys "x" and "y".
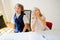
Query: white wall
{"x": 7, "y": 9}
{"x": 49, "y": 8}
{"x": 2, "y": 10}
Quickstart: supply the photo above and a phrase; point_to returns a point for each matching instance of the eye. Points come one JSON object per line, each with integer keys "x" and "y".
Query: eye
{"x": 17, "y": 8}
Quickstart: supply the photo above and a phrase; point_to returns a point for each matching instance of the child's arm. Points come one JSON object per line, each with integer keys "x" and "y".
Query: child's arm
{"x": 43, "y": 21}
{"x": 33, "y": 22}
{"x": 13, "y": 23}
{"x": 26, "y": 23}
{"x": 14, "y": 26}
{"x": 25, "y": 27}
{"x": 33, "y": 26}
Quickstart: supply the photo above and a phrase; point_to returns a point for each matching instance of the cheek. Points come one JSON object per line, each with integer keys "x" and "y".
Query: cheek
{"x": 16, "y": 10}
{"x": 19, "y": 10}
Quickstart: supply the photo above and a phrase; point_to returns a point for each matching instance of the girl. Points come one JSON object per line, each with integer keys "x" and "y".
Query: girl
{"x": 19, "y": 19}
{"x": 38, "y": 21}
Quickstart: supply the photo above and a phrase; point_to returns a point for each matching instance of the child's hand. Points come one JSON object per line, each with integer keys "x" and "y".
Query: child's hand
{"x": 33, "y": 31}
{"x": 43, "y": 28}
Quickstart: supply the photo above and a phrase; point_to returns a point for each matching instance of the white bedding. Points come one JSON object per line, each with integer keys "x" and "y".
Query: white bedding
{"x": 47, "y": 35}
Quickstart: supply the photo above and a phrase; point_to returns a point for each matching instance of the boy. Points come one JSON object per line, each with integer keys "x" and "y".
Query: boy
{"x": 20, "y": 20}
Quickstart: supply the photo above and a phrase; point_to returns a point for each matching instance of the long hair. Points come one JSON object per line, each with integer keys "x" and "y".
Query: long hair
{"x": 39, "y": 11}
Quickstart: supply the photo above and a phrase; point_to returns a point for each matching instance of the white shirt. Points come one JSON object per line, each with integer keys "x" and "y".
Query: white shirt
{"x": 25, "y": 19}
{"x": 39, "y": 25}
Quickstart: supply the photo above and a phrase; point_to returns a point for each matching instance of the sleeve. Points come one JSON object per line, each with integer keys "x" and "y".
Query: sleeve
{"x": 12, "y": 20}
{"x": 25, "y": 19}
{"x": 32, "y": 20}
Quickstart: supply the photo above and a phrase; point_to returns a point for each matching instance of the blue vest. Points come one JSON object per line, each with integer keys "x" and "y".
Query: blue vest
{"x": 19, "y": 23}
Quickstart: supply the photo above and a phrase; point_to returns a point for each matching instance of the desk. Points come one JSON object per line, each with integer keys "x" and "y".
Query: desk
{"x": 47, "y": 35}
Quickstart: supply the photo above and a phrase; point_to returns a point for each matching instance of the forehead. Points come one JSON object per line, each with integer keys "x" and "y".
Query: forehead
{"x": 17, "y": 6}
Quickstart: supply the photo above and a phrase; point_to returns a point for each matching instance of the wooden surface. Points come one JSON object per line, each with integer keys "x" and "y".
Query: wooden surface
{"x": 8, "y": 29}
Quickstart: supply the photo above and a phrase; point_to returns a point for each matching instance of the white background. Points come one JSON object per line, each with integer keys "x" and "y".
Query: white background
{"x": 49, "y": 8}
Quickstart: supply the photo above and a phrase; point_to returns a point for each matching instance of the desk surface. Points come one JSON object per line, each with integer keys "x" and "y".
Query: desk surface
{"x": 47, "y": 35}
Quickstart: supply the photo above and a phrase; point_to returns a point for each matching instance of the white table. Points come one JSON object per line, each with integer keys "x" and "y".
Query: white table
{"x": 47, "y": 35}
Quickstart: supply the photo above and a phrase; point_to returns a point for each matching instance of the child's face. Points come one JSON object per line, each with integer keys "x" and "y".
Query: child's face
{"x": 17, "y": 9}
{"x": 36, "y": 11}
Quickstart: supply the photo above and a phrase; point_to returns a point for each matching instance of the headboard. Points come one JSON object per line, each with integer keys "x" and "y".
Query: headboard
{"x": 2, "y": 23}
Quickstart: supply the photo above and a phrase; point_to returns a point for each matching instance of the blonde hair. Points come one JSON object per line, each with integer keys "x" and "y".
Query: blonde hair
{"x": 39, "y": 11}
